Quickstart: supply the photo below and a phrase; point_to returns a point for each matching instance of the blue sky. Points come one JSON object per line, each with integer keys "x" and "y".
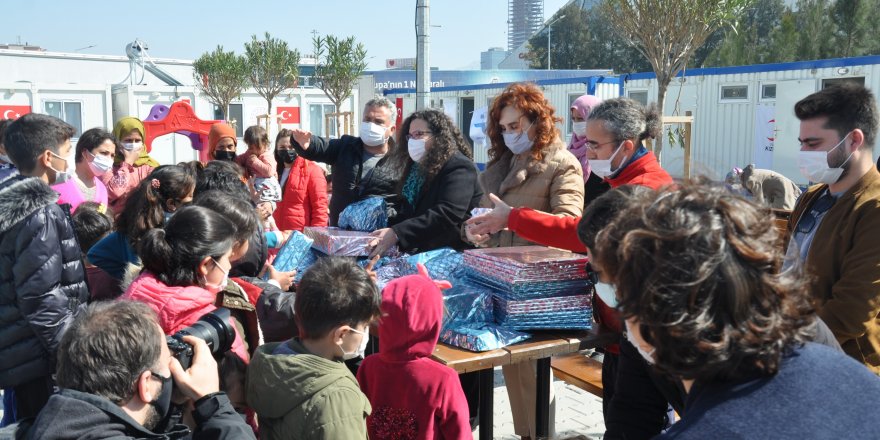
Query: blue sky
{"x": 186, "y": 29}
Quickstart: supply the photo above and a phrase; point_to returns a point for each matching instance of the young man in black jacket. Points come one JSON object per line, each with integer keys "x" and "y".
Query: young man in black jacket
{"x": 115, "y": 371}
{"x": 360, "y": 168}
{"x": 42, "y": 280}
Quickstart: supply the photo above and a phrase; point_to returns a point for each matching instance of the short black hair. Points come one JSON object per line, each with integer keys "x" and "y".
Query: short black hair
{"x": 173, "y": 254}
{"x": 224, "y": 176}
{"x": 4, "y": 123}
{"x": 241, "y": 212}
{"x": 847, "y": 106}
{"x": 335, "y": 291}
{"x": 106, "y": 348}
{"x": 91, "y": 139}
{"x": 90, "y": 224}
{"x": 602, "y": 211}
{"x": 32, "y": 134}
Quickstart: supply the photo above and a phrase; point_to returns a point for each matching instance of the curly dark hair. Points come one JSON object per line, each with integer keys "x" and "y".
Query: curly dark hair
{"x": 530, "y": 100}
{"x": 446, "y": 139}
{"x": 699, "y": 269}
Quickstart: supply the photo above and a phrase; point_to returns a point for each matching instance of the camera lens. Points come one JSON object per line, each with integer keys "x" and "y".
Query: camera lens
{"x": 214, "y": 328}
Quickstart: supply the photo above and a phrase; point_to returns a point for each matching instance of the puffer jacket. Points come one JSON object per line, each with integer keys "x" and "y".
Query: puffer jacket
{"x": 42, "y": 280}
{"x": 178, "y": 306}
{"x": 303, "y": 197}
{"x": 555, "y": 184}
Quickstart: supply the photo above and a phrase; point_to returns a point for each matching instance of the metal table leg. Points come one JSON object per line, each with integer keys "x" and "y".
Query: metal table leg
{"x": 487, "y": 380}
{"x": 542, "y": 399}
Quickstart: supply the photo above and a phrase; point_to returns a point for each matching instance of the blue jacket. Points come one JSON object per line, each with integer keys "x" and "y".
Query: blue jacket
{"x": 113, "y": 254}
{"x": 817, "y": 393}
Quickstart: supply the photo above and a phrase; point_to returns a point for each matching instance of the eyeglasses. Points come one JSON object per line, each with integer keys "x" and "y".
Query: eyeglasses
{"x": 593, "y": 145}
{"x": 592, "y": 275}
{"x": 808, "y": 221}
{"x": 418, "y": 134}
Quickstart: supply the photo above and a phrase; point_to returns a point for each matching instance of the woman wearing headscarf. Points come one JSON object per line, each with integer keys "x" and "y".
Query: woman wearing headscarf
{"x": 580, "y": 109}
{"x": 222, "y": 142}
{"x": 133, "y": 164}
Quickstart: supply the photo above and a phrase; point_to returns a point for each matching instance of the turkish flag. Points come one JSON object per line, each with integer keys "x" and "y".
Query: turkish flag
{"x": 289, "y": 115}
{"x": 13, "y": 111}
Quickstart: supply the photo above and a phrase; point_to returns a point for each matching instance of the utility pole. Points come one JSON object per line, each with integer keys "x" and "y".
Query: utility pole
{"x": 423, "y": 67}
{"x": 548, "y": 39}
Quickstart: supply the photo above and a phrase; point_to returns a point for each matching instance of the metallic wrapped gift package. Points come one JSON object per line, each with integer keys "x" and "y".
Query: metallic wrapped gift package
{"x": 567, "y": 312}
{"x": 292, "y": 252}
{"x": 310, "y": 258}
{"x": 366, "y": 215}
{"x": 442, "y": 264}
{"x": 480, "y": 337}
{"x": 339, "y": 242}
{"x": 468, "y": 302}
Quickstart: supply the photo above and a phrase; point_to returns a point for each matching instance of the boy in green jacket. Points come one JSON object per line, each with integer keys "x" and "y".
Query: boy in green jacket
{"x": 301, "y": 388}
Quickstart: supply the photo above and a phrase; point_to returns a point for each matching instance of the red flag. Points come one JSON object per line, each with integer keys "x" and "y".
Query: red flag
{"x": 289, "y": 115}
{"x": 13, "y": 111}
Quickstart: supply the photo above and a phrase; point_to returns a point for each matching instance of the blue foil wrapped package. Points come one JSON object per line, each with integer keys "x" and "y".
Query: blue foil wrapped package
{"x": 442, "y": 264}
{"x": 468, "y": 302}
{"x": 480, "y": 337}
{"x": 295, "y": 249}
{"x": 343, "y": 243}
{"x": 306, "y": 262}
{"x": 366, "y": 215}
{"x": 569, "y": 312}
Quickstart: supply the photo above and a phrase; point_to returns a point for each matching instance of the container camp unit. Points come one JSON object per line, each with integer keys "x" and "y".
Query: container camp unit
{"x": 91, "y": 91}
{"x": 460, "y": 102}
{"x": 745, "y": 114}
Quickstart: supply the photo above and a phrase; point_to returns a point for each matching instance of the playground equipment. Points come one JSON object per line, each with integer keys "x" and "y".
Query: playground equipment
{"x": 181, "y": 119}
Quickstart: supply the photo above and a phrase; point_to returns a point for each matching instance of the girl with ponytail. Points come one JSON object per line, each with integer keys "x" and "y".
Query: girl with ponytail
{"x": 156, "y": 198}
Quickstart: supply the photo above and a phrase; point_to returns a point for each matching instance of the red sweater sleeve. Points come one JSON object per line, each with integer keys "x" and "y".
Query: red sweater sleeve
{"x": 547, "y": 229}
{"x": 454, "y": 416}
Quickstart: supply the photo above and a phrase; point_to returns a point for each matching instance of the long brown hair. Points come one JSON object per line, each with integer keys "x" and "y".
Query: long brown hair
{"x": 530, "y": 100}
{"x": 446, "y": 139}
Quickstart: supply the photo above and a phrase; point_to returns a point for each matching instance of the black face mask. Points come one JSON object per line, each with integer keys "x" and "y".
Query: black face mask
{"x": 162, "y": 403}
{"x": 224, "y": 155}
{"x": 288, "y": 156}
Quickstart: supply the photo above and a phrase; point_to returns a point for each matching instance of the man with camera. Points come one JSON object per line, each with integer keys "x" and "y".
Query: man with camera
{"x": 116, "y": 371}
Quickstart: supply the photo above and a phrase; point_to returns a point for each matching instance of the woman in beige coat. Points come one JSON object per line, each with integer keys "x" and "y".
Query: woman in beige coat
{"x": 529, "y": 166}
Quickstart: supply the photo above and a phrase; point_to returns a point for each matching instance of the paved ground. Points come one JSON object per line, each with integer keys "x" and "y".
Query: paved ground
{"x": 578, "y": 413}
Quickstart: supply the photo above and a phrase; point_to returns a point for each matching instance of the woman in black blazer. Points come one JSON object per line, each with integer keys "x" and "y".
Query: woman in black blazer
{"x": 438, "y": 187}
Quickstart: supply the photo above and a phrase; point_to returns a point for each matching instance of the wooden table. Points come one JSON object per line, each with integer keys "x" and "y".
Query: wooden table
{"x": 541, "y": 347}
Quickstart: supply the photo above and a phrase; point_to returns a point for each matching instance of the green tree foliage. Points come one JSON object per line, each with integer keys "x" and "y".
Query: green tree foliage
{"x": 272, "y": 66}
{"x": 338, "y": 64}
{"x": 221, "y": 76}
{"x": 584, "y": 39}
{"x": 752, "y": 42}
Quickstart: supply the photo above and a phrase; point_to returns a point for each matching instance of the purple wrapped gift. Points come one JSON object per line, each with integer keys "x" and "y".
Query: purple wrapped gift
{"x": 339, "y": 242}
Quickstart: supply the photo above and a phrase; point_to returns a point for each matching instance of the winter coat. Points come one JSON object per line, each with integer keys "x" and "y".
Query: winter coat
{"x": 770, "y": 188}
{"x": 842, "y": 263}
{"x": 121, "y": 181}
{"x": 73, "y": 415}
{"x": 345, "y": 156}
{"x": 178, "y": 306}
{"x": 303, "y": 197}
{"x": 644, "y": 171}
{"x": 441, "y": 209}
{"x": 42, "y": 280}
{"x": 555, "y": 184}
{"x": 70, "y": 193}
{"x": 413, "y": 396}
{"x": 298, "y": 395}
{"x": 113, "y": 254}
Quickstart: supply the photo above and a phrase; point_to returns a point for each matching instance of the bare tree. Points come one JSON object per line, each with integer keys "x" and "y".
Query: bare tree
{"x": 338, "y": 64}
{"x": 668, "y": 32}
{"x": 221, "y": 76}
{"x": 273, "y": 67}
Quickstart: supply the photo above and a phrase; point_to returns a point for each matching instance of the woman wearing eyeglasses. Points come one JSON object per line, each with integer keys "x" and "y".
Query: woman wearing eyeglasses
{"x": 438, "y": 187}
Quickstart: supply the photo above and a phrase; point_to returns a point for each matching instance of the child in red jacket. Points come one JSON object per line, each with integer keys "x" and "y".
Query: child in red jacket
{"x": 412, "y": 396}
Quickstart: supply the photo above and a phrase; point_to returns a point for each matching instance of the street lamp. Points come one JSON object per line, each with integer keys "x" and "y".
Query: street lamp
{"x": 548, "y": 39}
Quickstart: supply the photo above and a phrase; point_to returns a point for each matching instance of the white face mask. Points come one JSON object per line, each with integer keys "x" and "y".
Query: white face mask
{"x": 100, "y": 165}
{"x": 648, "y": 355}
{"x": 607, "y": 294}
{"x": 416, "y": 149}
{"x": 814, "y": 165}
{"x": 372, "y": 134}
{"x": 602, "y": 168}
{"x": 60, "y": 176}
{"x": 132, "y": 146}
{"x": 215, "y": 288}
{"x": 361, "y": 349}
{"x": 518, "y": 143}
{"x": 579, "y": 128}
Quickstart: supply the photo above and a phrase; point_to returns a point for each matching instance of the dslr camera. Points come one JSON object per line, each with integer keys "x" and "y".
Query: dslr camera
{"x": 214, "y": 328}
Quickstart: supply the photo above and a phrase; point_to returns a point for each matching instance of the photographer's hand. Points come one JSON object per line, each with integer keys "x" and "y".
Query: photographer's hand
{"x": 201, "y": 378}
